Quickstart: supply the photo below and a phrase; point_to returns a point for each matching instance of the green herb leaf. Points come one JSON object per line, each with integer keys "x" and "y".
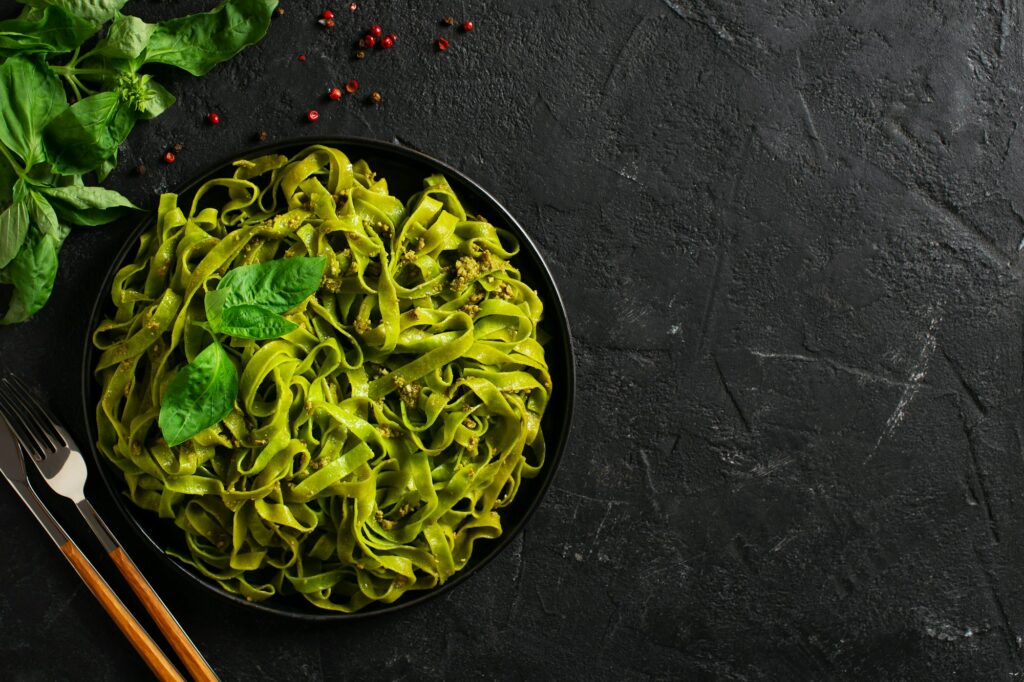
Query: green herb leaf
{"x": 88, "y": 133}
{"x": 42, "y": 214}
{"x": 127, "y": 38}
{"x": 155, "y": 100}
{"x": 277, "y": 285}
{"x": 51, "y": 29}
{"x": 88, "y": 205}
{"x": 95, "y": 11}
{"x": 199, "y": 396}
{"x": 32, "y": 273}
{"x": 254, "y": 322}
{"x": 31, "y": 96}
{"x": 199, "y": 42}
{"x": 13, "y": 228}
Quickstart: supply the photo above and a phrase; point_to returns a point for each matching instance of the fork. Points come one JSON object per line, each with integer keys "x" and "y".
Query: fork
{"x": 54, "y": 452}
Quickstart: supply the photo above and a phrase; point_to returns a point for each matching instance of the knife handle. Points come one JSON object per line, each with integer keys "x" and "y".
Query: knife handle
{"x": 143, "y": 643}
{"x": 180, "y": 642}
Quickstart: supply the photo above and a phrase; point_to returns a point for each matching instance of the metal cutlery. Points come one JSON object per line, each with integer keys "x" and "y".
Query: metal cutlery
{"x": 12, "y": 466}
{"x": 54, "y": 452}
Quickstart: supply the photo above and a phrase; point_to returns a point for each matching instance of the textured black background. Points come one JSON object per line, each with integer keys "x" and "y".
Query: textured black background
{"x": 788, "y": 237}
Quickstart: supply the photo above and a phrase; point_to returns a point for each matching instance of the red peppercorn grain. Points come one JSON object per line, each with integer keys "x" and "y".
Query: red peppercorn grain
{"x": 312, "y": 115}
{"x": 169, "y": 157}
{"x": 328, "y": 14}
{"x": 388, "y": 41}
{"x": 302, "y": 57}
{"x": 213, "y": 117}
{"x": 351, "y": 86}
{"x": 335, "y": 94}
{"x": 329, "y": 23}
{"x": 353, "y": 7}
{"x": 442, "y": 44}
{"x": 376, "y": 30}
{"x": 367, "y": 41}
{"x": 467, "y": 26}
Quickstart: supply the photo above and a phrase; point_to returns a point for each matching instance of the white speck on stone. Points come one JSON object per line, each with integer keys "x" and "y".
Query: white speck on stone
{"x": 577, "y": 556}
{"x": 674, "y": 329}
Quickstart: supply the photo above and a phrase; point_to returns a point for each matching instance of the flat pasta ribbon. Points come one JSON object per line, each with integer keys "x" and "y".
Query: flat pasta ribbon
{"x": 369, "y": 448}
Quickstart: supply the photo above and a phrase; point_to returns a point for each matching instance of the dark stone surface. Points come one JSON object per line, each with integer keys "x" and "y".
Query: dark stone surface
{"x": 788, "y": 237}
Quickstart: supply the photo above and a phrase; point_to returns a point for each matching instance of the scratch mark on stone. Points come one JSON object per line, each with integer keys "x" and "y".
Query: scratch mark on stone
{"x": 812, "y": 129}
{"x": 1004, "y": 28}
{"x": 965, "y": 388}
{"x": 683, "y": 11}
{"x": 832, "y": 364}
{"x": 914, "y": 381}
{"x": 709, "y": 304}
{"x": 649, "y": 479}
{"x": 788, "y": 538}
{"x": 732, "y": 396}
{"x": 600, "y": 527}
{"x": 948, "y": 212}
{"x": 1012, "y": 641}
{"x": 979, "y": 476}
{"x": 628, "y": 44}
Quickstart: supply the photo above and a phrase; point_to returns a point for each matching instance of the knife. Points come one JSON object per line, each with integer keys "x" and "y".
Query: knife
{"x": 12, "y": 466}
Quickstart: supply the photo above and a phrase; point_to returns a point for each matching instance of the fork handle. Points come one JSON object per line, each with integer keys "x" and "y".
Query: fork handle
{"x": 143, "y": 643}
{"x": 180, "y": 642}
{"x": 194, "y": 662}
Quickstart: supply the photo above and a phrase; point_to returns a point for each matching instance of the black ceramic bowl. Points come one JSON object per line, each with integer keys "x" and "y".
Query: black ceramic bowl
{"x": 405, "y": 170}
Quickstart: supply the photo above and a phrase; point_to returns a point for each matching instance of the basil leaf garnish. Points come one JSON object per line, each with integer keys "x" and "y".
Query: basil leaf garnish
{"x": 199, "y": 396}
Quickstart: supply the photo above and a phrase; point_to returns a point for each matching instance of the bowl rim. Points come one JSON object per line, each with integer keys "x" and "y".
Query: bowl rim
{"x": 554, "y": 309}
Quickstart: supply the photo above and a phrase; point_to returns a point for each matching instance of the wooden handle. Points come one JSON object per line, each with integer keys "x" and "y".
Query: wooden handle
{"x": 143, "y": 643}
{"x": 183, "y": 646}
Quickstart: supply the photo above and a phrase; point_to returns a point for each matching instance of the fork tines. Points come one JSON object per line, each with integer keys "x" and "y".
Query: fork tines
{"x": 32, "y": 423}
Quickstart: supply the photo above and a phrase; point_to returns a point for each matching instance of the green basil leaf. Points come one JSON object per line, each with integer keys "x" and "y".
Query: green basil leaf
{"x": 13, "y": 228}
{"x": 156, "y": 100}
{"x": 8, "y": 176}
{"x": 51, "y": 30}
{"x": 127, "y": 38}
{"x": 199, "y": 396}
{"x": 277, "y": 285}
{"x": 42, "y": 214}
{"x": 199, "y": 42}
{"x": 96, "y": 11}
{"x": 31, "y": 96}
{"x": 87, "y": 205}
{"x": 88, "y": 134}
{"x": 32, "y": 273}
{"x": 254, "y": 322}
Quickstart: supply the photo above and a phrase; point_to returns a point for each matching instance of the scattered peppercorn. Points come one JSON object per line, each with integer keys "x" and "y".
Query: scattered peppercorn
{"x": 376, "y": 30}
{"x": 442, "y": 44}
{"x": 262, "y": 136}
{"x": 329, "y": 23}
{"x": 169, "y": 157}
{"x": 140, "y": 169}
{"x": 360, "y": 54}
{"x": 328, "y": 14}
{"x": 467, "y": 26}
{"x": 302, "y": 57}
{"x": 279, "y": 11}
{"x": 376, "y": 97}
{"x": 351, "y": 86}
{"x": 448, "y": 21}
{"x": 388, "y": 41}
{"x": 353, "y": 7}
{"x": 312, "y": 115}
{"x": 177, "y": 147}
{"x": 335, "y": 94}
{"x": 213, "y": 117}
{"x": 367, "y": 41}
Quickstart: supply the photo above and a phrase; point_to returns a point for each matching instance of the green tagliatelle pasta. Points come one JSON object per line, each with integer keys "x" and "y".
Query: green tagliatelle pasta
{"x": 373, "y": 445}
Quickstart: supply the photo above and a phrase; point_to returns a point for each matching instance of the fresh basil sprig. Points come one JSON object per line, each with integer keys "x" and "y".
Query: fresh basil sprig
{"x": 246, "y": 304}
{"x": 64, "y": 112}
